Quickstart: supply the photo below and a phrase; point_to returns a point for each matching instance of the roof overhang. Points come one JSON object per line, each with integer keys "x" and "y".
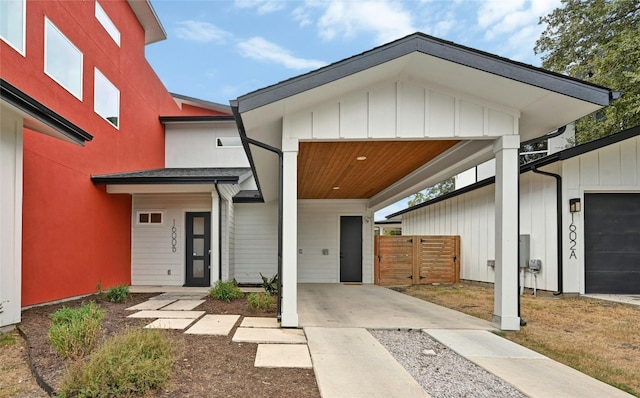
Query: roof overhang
{"x": 544, "y": 101}
{"x": 38, "y": 117}
{"x": 153, "y": 30}
{"x": 200, "y": 103}
{"x": 171, "y": 180}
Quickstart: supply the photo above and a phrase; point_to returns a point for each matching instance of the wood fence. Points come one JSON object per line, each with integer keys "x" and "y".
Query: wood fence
{"x": 415, "y": 259}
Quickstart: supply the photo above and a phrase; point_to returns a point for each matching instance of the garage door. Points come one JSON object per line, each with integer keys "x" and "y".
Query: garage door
{"x": 612, "y": 243}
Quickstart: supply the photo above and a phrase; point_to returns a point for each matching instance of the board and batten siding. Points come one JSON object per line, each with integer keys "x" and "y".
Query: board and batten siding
{"x": 402, "y": 109}
{"x": 227, "y": 239}
{"x": 319, "y": 228}
{"x": 472, "y": 216}
{"x": 10, "y": 217}
{"x": 152, "y": 256}
{"x": 256, "y": 241}
{"x": 611, "y": 169}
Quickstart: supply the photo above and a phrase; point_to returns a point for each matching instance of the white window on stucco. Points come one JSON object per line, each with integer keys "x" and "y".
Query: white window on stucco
{"x": 108, "y": 25}
{"x": 106, "y": 99}
{"x": 62, "y": 60}
{"x": 12, "y": 23}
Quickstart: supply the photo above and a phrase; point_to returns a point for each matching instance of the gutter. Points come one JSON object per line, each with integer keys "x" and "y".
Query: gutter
{"x": 245, "y": 142}
{"x": 558, "y": 223}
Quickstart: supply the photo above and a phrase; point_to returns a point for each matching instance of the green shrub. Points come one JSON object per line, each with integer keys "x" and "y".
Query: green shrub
{"x": 75, "y": 332}
{"x": 128, "y": 364}
{"x": 260, "y": 302}
{"x": 226, "y": 291}
{"x": 117, "y": 294}
{"x": 270, "y": 285}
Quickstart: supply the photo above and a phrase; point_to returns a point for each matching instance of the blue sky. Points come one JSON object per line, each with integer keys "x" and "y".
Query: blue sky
{"x": 219, "y": 50}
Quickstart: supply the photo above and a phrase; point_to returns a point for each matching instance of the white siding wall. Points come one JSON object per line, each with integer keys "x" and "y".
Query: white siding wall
{"x": 402, "y": 109}
{"x": 614, "y": 168}
{"x": 10, "y": 217}
{"x": 472, "y": 215}
{"x": 319, "y": 228}
{"x": 256, "y": 241}
{"x": 151, "y": 247}
{"x": 194, "y": 145}
{"x": 227, "y": 229}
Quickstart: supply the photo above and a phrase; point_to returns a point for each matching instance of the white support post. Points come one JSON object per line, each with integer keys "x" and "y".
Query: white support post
{"x": 290, "y": 234}
{"x": 505, "y": 313}
{"x": 215, "y": 247}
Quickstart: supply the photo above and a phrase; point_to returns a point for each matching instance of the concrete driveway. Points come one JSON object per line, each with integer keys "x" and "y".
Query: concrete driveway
{"x": 375, "y": 307}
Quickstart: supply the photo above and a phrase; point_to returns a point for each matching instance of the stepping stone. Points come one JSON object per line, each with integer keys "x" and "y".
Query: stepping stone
{"x": 167, "y": 314}
{"x": 259, "y": 322}
{"x": 218, "y": 325}
{"x": 283, "y": 356}
{"x": 183, "y": 305}
{"x": 150, "y": 305}
{"x": 267, "y": 336}
{"x": 179, "y": 296}
{"x": 169, "y": 324}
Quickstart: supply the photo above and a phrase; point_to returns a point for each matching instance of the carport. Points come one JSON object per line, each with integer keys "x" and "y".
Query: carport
{"x": 362, "y": 133}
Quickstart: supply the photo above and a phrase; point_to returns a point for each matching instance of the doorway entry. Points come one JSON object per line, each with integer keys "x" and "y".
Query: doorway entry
{"x": 351, "y": 249}
{"x": 198, "y": 249}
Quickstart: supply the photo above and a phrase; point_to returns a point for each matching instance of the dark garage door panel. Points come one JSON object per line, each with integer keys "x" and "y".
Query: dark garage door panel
{"x": 612, "y": 243}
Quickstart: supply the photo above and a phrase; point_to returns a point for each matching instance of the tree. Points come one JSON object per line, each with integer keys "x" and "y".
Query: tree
{"x": 597, "y": 41}
{"x": 433, "y": 192}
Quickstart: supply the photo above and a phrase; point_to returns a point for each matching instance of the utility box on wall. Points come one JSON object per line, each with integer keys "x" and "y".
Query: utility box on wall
{"x": 524, "y": 242}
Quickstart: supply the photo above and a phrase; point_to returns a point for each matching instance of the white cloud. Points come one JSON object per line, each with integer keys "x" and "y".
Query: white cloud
{"x": 387, "y": 20}
{"x": 264, "y": 50}
{"x": 263, "y": 6}
{"x": 202, "y": 32}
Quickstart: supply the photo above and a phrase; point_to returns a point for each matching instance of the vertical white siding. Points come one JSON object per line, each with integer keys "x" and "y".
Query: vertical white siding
{"x": 319, "y": 228}
{"x": 227, "y": 191}
{"x": 10, "y": 217}
{"x": 614, "y": 168}
{"x": 151, "y": 245}
{"x": 256, "y": 241}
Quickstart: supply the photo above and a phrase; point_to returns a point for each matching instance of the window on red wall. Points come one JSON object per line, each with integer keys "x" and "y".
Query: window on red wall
{"x": 12, "y": 23}
{"x": 106, "y": 22}
{"x": 106, "y": 102}
{"x": 62, "y": 60}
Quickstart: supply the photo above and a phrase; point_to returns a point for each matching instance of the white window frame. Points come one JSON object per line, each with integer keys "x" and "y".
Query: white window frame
{"x": 98, "y": 74}
{"x": 219, "y": 142}
{"x": 107, "y": 24}
{"x": 22, "y": 49}
{"x": 47, "y": 22}
{"x": 149, "y": 213}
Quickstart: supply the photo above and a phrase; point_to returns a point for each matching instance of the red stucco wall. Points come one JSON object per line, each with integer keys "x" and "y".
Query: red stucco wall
{"x": 75, "y": 235}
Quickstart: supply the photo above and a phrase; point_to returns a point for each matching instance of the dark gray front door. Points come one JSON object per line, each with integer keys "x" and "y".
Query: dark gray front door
{"x": 350, "y": 249}
{"x": 612, "y": 243}
{"x": 198, "y": 270}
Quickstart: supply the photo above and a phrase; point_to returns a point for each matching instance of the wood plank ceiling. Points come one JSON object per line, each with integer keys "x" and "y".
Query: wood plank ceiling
{"x": 331, "y": 170}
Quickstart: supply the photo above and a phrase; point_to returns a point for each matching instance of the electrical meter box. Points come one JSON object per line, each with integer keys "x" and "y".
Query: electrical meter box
{"x": 535, "y": 265}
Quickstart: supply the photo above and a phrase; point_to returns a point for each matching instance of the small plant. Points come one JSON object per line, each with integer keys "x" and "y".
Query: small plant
{"x": 128, "y": 364}
{"x": 226, "y": 291}
{"x": 7, "y": 339}
{"x": 270, "y": 285}
{"x": 75, "y": 332}
{"x": 117, "y": 294}
{"x": 260, "y": 302}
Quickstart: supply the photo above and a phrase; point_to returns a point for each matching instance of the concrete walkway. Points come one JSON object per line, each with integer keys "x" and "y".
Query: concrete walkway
{"x": 349, "y": 362}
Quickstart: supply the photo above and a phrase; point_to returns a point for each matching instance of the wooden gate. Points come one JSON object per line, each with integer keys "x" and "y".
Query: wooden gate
{"x": 405, "y": 260}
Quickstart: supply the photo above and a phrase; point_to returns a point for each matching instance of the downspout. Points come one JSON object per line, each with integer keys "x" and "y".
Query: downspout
{"x": 559, "y": 223}
{"x": 546, "y": 136}
{"x": 219, "y": 231}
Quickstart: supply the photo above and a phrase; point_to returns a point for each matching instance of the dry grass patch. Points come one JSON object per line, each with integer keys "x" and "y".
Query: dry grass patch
{"x": 599, "y": 338}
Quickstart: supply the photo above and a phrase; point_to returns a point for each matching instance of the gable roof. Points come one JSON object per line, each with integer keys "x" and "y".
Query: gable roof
{"x": 40, "y": 118}
{"x": 200, "y": 103}
{"x": 554, "y": 157}
{"x": 429, "y": 45}
{"x": 153, "y": 30}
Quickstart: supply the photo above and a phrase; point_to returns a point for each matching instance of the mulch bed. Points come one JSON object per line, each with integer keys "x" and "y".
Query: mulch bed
{"x": 205, "y": 366}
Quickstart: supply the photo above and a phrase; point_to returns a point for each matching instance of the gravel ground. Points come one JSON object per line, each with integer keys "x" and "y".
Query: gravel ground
{"x": 445, "y": 374}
